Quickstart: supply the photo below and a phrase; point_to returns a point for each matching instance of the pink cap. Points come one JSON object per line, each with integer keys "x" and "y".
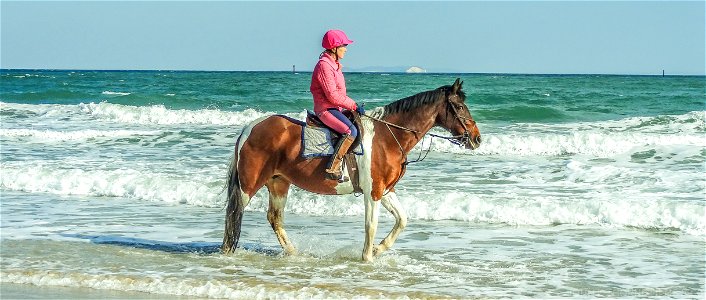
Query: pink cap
{"x": 335, "y": 38}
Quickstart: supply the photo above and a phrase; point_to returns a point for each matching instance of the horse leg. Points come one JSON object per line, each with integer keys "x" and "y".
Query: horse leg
{"x": 371, "y": 225}
{"x": 279, "y": 188}
{"x": 392, "y": 204}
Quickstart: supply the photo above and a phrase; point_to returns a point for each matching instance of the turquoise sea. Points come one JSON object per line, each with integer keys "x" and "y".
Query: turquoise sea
{"x": 584, "y": 186}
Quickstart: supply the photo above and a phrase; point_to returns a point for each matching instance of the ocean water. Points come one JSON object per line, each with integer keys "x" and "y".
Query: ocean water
{"x": 584, "y": 186}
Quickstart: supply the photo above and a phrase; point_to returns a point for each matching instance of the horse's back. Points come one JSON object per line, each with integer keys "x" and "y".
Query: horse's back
{"x": 274, "y": 139}
{"x": 272, "y": 130}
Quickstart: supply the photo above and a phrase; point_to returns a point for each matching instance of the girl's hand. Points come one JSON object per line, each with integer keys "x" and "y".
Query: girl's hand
{"x": 361, "y": 109}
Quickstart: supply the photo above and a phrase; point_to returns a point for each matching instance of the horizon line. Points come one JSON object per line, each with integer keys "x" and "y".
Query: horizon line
{"x": 375, "y": 72}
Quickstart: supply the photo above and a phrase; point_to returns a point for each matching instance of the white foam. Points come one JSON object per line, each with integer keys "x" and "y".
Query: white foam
{"x": 692, "y": 122}
{"x": 159, "y": 114}
{"x": 517, "y": 207}
{"x": 31, "y": 75}
{"x": 600, "y": 139}
{"x": 78, "y": 135}
{"x": 605, "y": 195}
{"x": 534, "y": 210}
{"x": 156, "y": 284}
{"x": 115, "y": 93}
{"x": 128, "y": 183}
{"x": 43, "y": 110}
{"x": 588, "y": 143}
{"x": 141, "y": 115}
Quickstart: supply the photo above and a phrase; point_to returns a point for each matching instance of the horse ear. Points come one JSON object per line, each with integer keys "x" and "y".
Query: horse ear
{"x": 457, "y": 85}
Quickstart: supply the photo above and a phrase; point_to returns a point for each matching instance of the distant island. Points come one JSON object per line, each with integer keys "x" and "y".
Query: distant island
{"x": 415, "y": 70}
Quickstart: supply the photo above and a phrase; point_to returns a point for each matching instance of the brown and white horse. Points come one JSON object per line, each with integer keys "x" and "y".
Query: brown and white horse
{"x": 268, "y": 153}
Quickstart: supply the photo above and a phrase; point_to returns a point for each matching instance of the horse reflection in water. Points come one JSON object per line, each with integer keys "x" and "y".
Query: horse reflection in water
{"x": 268, "y": 153}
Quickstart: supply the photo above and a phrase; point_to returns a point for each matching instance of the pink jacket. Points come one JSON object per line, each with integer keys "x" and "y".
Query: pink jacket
{"x": 328, "y": 86}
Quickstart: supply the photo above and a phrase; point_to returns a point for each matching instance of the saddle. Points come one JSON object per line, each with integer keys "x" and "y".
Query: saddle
{"x": 349, "y": 161}
{"x": 313, "y": 120}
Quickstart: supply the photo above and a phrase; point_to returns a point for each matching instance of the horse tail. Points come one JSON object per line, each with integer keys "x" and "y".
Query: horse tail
{"x": 235, "y": 208}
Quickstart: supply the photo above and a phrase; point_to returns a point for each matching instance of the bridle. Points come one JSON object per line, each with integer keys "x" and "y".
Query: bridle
{"x": 466, "y": 136}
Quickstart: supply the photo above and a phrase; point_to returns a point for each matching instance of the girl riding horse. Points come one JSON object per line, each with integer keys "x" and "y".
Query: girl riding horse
{"x": 329, "y": 90}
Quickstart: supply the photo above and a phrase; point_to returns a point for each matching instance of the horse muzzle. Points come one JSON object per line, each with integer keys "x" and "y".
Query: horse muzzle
{"x": 472, "y": 142}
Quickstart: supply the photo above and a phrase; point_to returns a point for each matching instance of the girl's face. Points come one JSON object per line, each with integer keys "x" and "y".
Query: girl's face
{"x": 341, "y": 51}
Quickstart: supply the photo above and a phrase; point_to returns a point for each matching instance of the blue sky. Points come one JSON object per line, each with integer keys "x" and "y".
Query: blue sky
{"x": 607, "y": 37}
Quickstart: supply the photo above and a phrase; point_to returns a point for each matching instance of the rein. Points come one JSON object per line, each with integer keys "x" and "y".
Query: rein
{"x": 394, "y": 125}
{"x": 388, "y": 124}
{"x": 450, "y": 138}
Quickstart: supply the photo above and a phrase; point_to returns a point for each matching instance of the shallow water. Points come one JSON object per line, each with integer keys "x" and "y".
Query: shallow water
{"x": 128, "y": 245}
{"x": 584, "y": 186}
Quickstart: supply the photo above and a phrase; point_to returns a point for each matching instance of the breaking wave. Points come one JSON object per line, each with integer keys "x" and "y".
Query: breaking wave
{"x": 604, "y": 207}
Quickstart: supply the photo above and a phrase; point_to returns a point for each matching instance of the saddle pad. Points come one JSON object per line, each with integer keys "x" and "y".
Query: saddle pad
{"x": 316, "y": 141}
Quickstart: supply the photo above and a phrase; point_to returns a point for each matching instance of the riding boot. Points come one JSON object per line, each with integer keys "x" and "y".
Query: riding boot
{"x": 333, "y": 168}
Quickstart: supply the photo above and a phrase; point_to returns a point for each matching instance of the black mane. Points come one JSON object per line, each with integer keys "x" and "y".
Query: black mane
{"x": 421, "y": 99}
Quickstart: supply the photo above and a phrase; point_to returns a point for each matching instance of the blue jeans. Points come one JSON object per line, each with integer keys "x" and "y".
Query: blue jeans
{"x": 339, "y": 115}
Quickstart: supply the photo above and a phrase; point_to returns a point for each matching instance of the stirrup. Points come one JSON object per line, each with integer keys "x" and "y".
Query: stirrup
{"x": 332, "y": 175}
{"x": 338, "y": 176}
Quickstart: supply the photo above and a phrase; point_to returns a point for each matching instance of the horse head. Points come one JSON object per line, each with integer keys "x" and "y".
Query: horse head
{"x": 455, "y": 117}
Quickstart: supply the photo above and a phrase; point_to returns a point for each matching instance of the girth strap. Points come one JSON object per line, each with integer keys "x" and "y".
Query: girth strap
{"x": 353, "y": 174}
